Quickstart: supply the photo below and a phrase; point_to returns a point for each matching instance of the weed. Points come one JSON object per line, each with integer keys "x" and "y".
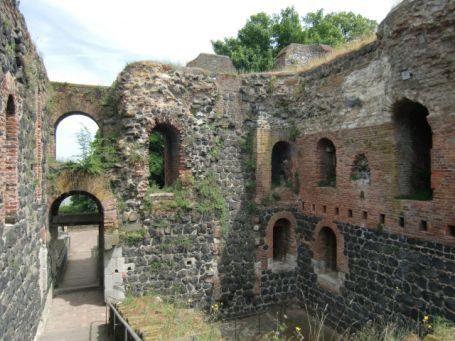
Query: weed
{"x": 267, "y": 200}
{"x": 276, "y": 196}
{"x": 132, "y": 237}
{"x": 250, "y": 165}
{"x": 155, "y": 266}
{"x": 293, "y": 133}
{"x": 272, "y": 84}
{"x": 329, "y": 182}
{"x": 211, "y": 200}
{"x": 246, "y": 144}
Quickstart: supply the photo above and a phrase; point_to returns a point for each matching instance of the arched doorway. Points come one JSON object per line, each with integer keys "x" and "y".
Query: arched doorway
{"x": 76, "y": 241}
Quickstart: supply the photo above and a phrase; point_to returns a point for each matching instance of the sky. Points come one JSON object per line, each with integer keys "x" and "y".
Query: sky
{"x": 67, "y": 147}
{"x": 91, "y": 41}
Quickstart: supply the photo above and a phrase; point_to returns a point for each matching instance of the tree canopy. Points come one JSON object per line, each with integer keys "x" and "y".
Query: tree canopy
{"x": 263, "y": 36}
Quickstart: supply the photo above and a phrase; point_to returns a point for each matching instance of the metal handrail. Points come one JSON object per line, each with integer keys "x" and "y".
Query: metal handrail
{"x": 128, "y": 329}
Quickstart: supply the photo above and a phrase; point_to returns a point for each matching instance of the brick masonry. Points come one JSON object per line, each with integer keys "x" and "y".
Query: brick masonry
{"x": 392, "y": 255}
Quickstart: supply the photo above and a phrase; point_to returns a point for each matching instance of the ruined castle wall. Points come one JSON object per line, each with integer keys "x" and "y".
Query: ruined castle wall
{"x": 183, "y": 237}
{"x": 351, "y": 243}
{"x": 393, "y": 254}
{"x": 23, "y": 209}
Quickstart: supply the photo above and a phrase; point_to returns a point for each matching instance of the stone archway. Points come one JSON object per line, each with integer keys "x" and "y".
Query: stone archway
{"x": 76, "y": 244}
{"x": 97, "y": 187}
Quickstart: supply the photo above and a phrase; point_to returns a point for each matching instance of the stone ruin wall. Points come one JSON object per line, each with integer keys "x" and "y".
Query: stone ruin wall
{"x": 381, "y": 266}
{"x": 23, "y": 207}
{"x": 227, "y": 127}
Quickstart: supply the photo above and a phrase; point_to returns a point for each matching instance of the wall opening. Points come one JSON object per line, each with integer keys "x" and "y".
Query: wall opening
{"x": 10, "y": 106}
{"x": 329, "y": 263}
{"x": 10, "y": 170}
{"x": 360, "y": 171}
{"x": 327, "y": 163}
{"x": 281, "y": 238}
{"x": 328, "y": 249}
{"x": 164, "y": 155}
{"x": 75, "y": 133}
{"x": 414, "y": 142}
{"x": 281, "y": 164}
{"x": 281, "y": 243}
{"x": 76, "y": 243}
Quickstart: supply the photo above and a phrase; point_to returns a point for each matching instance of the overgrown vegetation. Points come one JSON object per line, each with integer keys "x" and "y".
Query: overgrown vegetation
{"x": 263, "y": 36}
{"x": 156, "y": 159}
{"x": 211, "y": 200}
{"x": 97, "y": 156}
{"x": 170, "y": 318}
{"x": 132, "y": 237}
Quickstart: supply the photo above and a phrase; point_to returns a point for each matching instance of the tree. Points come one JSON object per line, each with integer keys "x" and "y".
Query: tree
{"x": 84, "y": 138}
{"x": 335, "y": 28}
{"x": 286, "y": 29}
{"x": 78, "y": 203}
{"x": 263, "y": 36}
{"x": 250, "y": 51}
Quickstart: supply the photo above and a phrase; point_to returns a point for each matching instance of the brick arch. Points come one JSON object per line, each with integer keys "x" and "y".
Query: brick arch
{"x": 266, "y": 140}
{"x": 68, "y": 99}
{"x": 292, "y": 237}
{"x": 60, "y": 118}
{"x": 68, "y": 182}
{"x": 11, "y": 112}
{"x": 341, "y": 258}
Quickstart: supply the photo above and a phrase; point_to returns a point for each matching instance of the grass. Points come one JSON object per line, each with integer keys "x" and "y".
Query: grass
{"x": 336, "y": 52}
{"x": 167, "y": 319}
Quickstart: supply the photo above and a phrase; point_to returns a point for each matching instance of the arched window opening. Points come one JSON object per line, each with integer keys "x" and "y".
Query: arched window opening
{"x": 164, "y": 150}
{"x": 76, "y": 245}
{"x": 327, "y": 163}
{"x": 360, "y": 169}
{"x": 10, "y": 106}
{"x": 414, "y": 142}
{"x": 75, "y": 134}
{"x": 281, "y": 164}
{"x": 328, "y": 249}
{"x": 281, "y": 239}
{"x": 10, "y": 161}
